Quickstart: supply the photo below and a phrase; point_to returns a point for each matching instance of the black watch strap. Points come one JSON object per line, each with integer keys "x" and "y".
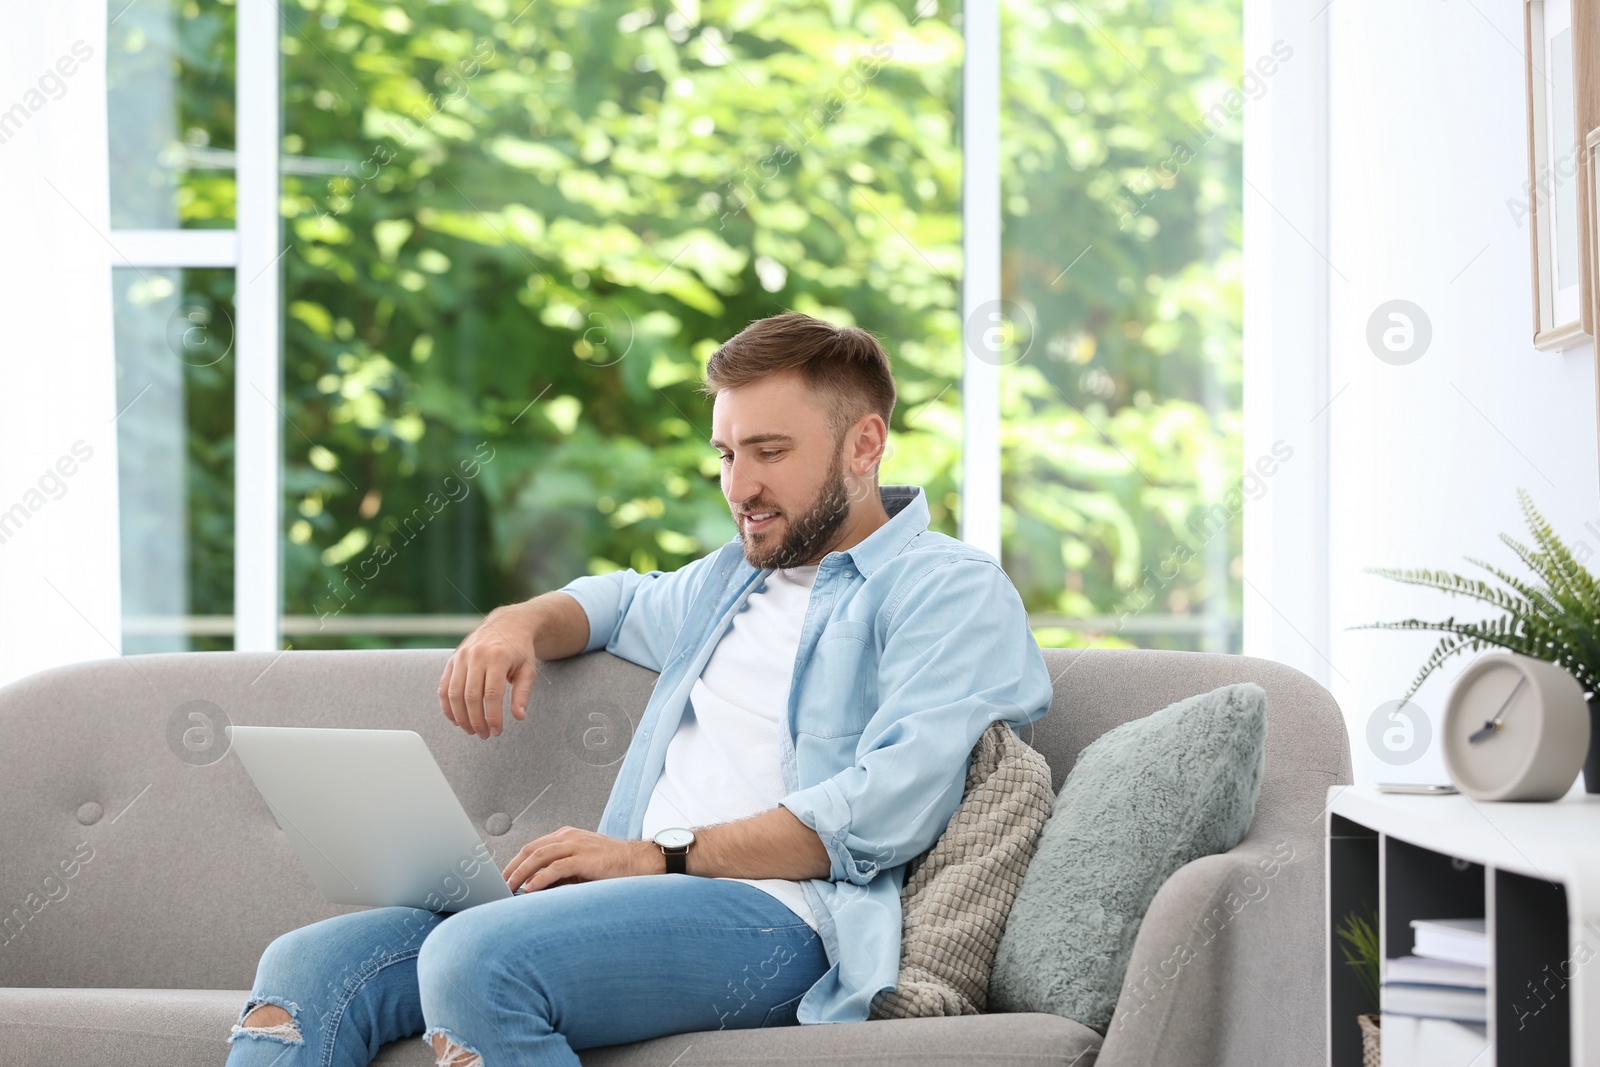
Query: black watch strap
{"x": 674, "y": 843}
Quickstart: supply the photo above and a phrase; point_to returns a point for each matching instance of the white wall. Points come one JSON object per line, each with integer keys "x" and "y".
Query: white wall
{"x": 1427, "y": 143}
{"x": 59, "y": 568}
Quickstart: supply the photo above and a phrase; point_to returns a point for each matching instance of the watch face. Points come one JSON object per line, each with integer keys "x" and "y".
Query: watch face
{"x": 675, "y": 838}
{"x": 1492, "y": 728}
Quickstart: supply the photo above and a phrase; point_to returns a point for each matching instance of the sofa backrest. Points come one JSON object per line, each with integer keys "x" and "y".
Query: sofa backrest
{"x": 139, "y": 854}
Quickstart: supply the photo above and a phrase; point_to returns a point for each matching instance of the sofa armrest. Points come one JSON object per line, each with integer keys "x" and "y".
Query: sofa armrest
{"x": 1227, "y": 966}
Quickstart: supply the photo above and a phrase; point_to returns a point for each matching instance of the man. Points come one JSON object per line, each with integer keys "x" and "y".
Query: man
{"x": 823, "y": 678}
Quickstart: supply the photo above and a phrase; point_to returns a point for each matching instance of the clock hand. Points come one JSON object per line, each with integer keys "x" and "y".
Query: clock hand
{"x": 1492, "y": 726}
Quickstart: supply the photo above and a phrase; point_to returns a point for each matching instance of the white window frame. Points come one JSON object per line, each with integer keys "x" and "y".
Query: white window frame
{"x": 258, "y": 303}
{"x": 980, "y": 281}
{"x": 253, "y": 251}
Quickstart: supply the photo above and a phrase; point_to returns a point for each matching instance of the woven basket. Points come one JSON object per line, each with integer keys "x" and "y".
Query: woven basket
{"x": 1371, "y": 1041}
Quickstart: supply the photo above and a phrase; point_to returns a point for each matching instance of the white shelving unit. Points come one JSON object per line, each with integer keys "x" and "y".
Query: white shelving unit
{"x": 1531, "y": 870}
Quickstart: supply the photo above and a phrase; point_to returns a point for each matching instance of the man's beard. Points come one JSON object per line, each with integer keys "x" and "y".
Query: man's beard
{"x": 805, "y": 534}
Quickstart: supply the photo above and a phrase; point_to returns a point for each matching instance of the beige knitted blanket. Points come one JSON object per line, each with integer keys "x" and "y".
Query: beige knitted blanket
{"x": 957, "y": 894}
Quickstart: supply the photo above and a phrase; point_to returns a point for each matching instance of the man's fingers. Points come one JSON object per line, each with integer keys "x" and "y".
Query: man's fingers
{"x": 494, "y": 696}
{"x": 529, "y": 863}
{"x": 458, "y": 693}
{"x": 472, "y": 689}
{"x": 444, "y": 689}
{"x": 523, "y": 857}
{"x": 458, "y": 703}
{"x": 522, "y": 679}
{"x": 482, "y": 688}
{"x": 553, "y": 872}
{"x": 474, "y": 700}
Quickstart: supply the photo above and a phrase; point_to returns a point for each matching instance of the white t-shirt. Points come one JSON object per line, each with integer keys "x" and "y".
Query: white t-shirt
{"x": 724, "y": 761}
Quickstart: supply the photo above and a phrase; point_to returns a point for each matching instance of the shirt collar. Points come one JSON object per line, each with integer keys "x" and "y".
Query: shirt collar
{"x": 907, "y": 506}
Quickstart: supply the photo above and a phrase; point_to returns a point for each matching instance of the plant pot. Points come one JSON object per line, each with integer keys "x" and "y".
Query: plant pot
{"x": 1371, "y": 1041}
{"x": 1591, "y": 762}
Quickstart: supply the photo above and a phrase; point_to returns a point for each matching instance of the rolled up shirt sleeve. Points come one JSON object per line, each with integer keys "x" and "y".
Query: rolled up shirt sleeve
{"x": 637, "y": 616}
{"x": 947, "y": 671}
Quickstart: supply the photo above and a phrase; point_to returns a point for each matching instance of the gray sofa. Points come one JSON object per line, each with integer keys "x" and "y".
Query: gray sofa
{"x": 143, "y": 874}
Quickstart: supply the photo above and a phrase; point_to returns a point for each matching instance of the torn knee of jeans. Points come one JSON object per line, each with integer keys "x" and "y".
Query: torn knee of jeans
{"x": 258, "y": 1022}
{"x": 448, "y": 1053}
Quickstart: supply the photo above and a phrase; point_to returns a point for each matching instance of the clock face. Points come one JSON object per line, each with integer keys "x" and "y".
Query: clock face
{"x": 1499, "y": 694}
{"x": 674, "y": 838}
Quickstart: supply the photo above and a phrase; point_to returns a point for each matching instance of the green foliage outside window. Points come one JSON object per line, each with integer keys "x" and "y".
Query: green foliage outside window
{"x": 517, "y": 231}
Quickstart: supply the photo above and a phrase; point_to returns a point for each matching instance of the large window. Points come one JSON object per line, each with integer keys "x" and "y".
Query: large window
{"x": 512, "y": 234}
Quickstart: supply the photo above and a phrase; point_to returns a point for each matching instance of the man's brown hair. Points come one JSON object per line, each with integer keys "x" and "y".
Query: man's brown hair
{"x": 845, "y": 365}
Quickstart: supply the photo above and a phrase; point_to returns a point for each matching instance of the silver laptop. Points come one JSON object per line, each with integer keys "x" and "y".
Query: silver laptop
{"x": 371, "y": 816}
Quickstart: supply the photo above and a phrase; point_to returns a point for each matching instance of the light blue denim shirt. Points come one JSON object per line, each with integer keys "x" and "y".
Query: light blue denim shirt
{"x": 913, "y": 642}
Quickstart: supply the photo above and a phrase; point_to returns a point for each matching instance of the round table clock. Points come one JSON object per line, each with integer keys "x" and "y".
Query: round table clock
{"x": 1515, "y": 728}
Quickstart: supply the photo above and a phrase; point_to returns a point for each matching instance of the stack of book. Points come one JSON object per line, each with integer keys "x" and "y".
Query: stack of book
{"x": 1436, "y": 1001}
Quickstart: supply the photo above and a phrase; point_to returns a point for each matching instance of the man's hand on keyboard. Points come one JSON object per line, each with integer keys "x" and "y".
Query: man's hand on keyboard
{"x": 573, "y": 855}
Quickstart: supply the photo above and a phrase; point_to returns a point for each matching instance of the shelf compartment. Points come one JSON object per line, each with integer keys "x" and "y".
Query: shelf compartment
{"x": 1420, "y": 883}
{"x": 1352, "y": 887}
{"x": 1530, "y": 990}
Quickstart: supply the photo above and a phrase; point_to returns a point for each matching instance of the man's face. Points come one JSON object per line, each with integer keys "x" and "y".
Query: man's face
{"x": 782, "y": 471}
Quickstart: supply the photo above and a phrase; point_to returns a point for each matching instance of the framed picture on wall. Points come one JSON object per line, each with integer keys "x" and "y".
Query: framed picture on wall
{"x": 1559, "y": 196}
{"x": 1591, "y": 157}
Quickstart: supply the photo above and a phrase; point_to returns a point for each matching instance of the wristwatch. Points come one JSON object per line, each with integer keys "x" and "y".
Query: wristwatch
{"x": 674, "y": 843}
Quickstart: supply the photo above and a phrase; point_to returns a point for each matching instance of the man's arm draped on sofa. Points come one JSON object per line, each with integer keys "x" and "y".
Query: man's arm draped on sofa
{"x": 773, "y": 844}
{"x": 888, "y": 807}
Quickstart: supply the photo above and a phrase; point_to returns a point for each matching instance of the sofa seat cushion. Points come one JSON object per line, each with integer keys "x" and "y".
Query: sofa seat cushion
{"x": 189, "y": 1028}
{"x": 1143, "y": 800}
{"x": 129, "y": 1027}
{"x": 139, "y": 1028}
{"x": 1024, "y": 1040}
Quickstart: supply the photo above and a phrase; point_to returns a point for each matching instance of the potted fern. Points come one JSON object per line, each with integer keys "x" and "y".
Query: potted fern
{"x": 1359, "y": 933}
{"x": 1554, "y": 616}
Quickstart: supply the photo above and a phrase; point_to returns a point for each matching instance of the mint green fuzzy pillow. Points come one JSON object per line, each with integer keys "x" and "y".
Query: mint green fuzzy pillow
{"x": 1142, "y": 800}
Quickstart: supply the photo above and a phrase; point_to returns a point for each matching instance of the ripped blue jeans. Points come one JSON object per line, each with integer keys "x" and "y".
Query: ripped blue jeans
{"x": 525, "y": 981}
